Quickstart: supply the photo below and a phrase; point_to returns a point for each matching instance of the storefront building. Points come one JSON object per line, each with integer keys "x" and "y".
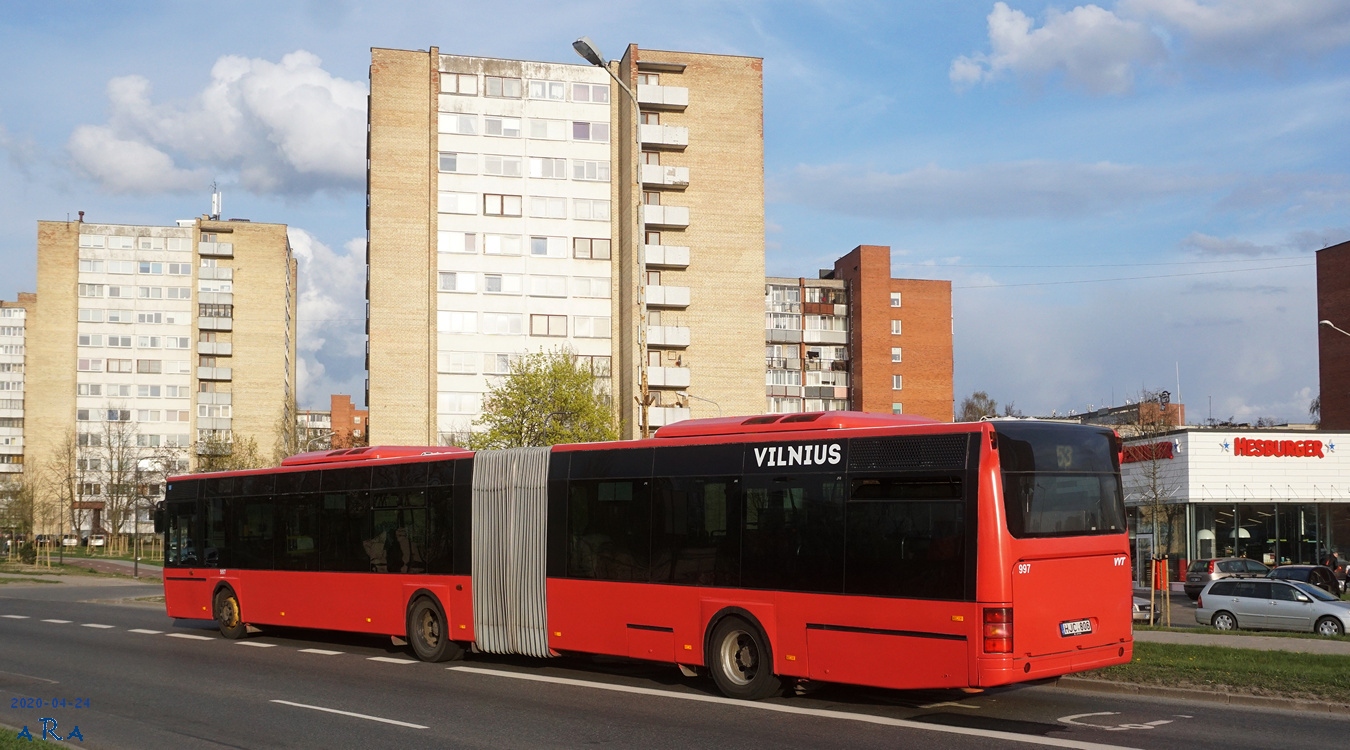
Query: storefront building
{"x": 1275, "y": 496}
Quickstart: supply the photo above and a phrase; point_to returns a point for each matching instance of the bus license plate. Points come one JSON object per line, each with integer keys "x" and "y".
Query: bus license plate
{"x": 1075, "y": 627}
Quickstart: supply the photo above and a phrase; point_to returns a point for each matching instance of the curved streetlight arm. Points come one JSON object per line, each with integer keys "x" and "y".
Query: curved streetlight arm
{"x": 687, "y": 394}
{"x": 1332, "y": 326}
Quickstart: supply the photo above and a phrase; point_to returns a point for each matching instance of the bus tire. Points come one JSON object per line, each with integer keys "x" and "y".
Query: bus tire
{"x": 741, "y": 662}
{"x": 429, "y": 632}
{"x": 229, "y": 616}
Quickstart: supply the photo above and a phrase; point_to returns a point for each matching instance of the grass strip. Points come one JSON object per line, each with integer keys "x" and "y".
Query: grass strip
{"x": 1261, "y": 633}
{"x": 25, "y": 580}
{"x": 1285, "y": 674}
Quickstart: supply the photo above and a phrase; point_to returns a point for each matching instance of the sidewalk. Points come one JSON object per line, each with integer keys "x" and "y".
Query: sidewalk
{"x": 120, "y": 567}
{"x": 1257, "y": 642}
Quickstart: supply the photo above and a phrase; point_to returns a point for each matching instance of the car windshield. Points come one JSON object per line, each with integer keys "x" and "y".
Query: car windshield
{"x": 1314, "y": 592}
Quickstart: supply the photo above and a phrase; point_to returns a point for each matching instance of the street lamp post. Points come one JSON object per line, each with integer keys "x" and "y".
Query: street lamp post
{"x": 1332, "y": 326}
{"x": 591, "y": 54}
{"x": 687, "y": 394}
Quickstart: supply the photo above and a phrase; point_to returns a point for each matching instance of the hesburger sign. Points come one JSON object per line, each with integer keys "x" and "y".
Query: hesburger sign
{"x": 1278, "y": 448}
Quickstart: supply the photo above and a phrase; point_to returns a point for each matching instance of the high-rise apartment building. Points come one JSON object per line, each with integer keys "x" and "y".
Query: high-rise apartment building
{"x": 1333, "y": 345}
{"x": 342, "y": 425}
{"x": 13, "y": 320}
{"x": 855, "y": 338}
{"x": 508, "y": 213}
{"x": 168, "y": 339}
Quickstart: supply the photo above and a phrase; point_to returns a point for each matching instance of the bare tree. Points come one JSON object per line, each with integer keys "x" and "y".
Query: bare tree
{"x": 1151, "y": 482}
{"x": 16, "y": 517}
{"x": 977, "y": 406}
{"x": 69, "y": 477}
{"x": 226, "y": 452}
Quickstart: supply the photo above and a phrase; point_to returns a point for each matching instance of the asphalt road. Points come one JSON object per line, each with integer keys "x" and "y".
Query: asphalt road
{"x": 152, "y": 682}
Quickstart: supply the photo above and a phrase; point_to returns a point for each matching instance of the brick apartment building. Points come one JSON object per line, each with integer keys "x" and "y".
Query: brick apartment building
{"x": 341, "y": 426}
{"x": 511, "y": 211}
{"x": 1333, "y": 346}
{"x": 858, "y": 339}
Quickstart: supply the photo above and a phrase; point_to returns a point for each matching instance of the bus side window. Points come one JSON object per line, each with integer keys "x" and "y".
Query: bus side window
{"x": 345, "y": 520}
{"x": 181, "y": 549}
{"x": 695, "y": 531}
{"x": 298, "y": 520}
{"x": 252, "y": 537}
{"x": 906, "y": 537}
{"x": 609, "y": 529}
{"x": 793, "y": 537}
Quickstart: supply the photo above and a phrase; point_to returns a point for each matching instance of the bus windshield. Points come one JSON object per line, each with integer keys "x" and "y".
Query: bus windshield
{"x": 1060, "y": 480}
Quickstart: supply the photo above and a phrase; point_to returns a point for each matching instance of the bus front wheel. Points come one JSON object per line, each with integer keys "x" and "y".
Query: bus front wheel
{"x": 429, "y": 633}
{"x": 740, "y": 661}
{"x": 228, "y": 615}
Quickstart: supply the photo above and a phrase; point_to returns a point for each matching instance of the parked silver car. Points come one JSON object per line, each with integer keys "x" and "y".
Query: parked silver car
{"x": 1202, "y": 572}
{"x": 1258, "y": 604}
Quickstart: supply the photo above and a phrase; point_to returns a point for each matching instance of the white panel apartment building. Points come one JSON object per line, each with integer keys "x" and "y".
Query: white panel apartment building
{"x": 13, "y": 319}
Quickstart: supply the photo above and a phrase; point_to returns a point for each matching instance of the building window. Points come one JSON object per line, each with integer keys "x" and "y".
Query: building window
{"x": 588, "y": 248}
{"x": 501, "y": 324}
{"x": 459, "y": 83}
{"x": 456, "y": 363}
{"x": 453, "y": 321}
{"x": 651, "y": 118}
{"x": 127, "y": 267}
{"x": 91, "y": 266}
{"x": 119, "y": 342}
{"x": 597, "y": 93}
{"x": 501, "y": 244}
{"x": 501, "y": 283}
{"x": 653, "y": 238}
{"x": 215, "y": 311}
{"x": 543, "y": 207}
{"x": 502, "y": 166}
{"x": 121, "y": 316}
{"x": 594, "y": 287}
{"x": 148, "y": 391}
{"x": 895, "y": 327}
{"x": 597, "y": 132}
{"x": 456, "y": 203}
{"x": 895, "y": 299}
{"x": 153, "y": 366}
{"x": 501, "y": 205}
{"x": 548, "y": 90}
{"x": 548, "y": 247}
{"x": 457, "y": 124}
{"x": 504, "y": 127}
{"x": 597, "y": 171}
{"x": 497, "y": 364}
{"x": 459, "y": 163}
{"x": 89, "y": 365}
{"x": 147, "y": 267}
{"x": 90, "y": 339}
{"x": 897, "y": 408}
{"x": 649, "y": 79}
{"x": 897, "y": 382}
{"x": 548, "y": 130}
{"x": 895, "y": 354}
{"x": 590, "y": 210}
{"x": 651, "y": 198}
{"x": 89, "y": 389}
{"x": 651, "y": 157}
{"x": 654, "y": 278}
{"x": 90, "y": 290}
{"x": 587, "y": 327}
{"x": 90, "y": 315}
{"x": 456, "y": 242}
{"x": 456, "y": 282}
{"x": 506, "y": 88}
{"x": 548, "y": 168}
{"x": 118, "y": 415}
{"x": 548, "y": 286}
{"x": 457, "y": 403}
{"x": 548, "y": 325}
{"x": 180, "y": 269}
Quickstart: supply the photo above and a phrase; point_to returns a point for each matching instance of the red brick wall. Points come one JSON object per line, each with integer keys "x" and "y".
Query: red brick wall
{"x": 1333, "y": 348}
{"x": 925, "y": 339}
{"x": 347, "y": 432}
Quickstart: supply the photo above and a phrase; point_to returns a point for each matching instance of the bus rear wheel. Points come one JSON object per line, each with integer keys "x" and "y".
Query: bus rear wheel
{"x": 429, "y": 633}
{"x": 228, "y": 615}
{"x": 741, "y": 662}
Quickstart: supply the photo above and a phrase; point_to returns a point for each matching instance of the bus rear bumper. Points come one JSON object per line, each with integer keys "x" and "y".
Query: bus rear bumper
{"x": 994, "y": 672}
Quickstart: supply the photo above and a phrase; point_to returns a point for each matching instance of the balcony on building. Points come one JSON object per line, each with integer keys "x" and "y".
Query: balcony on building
{"x": 213, "y": 423}
{"x": 668, "y": 377}
{"x": 215, "y": 348}
{"x": 662, "y": 176}
{"x": 667, "y": 336}
{"x": 667, "y": 98}
{"x": 660, "y": 295}
{"x": 674, "y": 137}
{"x": 213, "y": 373}
{"x": 218, "y": 398}
{"x": 783, "y": 391}
{"x": 660, "y": 416}
{"x": 215, "y": 298}
{"x": 666, "y": 256}
{"x": 783, "y": 335}
{"x": 827, "y": 391}
{"x": 218, "y": 274}
{"x": 825, "y": 337}
{"x": 783, "y": 363}
{"x": 216, "y": 249}
{"x": 836, "y": 365}
{"x": 665, "y": 217}
{"x": 215, "y": 324}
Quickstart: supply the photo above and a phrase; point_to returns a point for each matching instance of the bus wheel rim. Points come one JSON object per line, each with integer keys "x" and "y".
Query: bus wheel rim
{"x": 740, "y": 658}
{"x": 229, "y": 612}
{"x": 428, "y": 628}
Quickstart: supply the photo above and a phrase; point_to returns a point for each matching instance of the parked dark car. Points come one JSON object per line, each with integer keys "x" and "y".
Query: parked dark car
{"x": 1318, "y": 575}
{"x": 1201, "y": 572}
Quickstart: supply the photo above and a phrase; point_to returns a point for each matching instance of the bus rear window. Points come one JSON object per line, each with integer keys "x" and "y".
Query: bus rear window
{"x": 1060, "y": 480}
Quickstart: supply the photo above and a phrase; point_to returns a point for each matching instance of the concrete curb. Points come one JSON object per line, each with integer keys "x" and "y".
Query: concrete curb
{"x": 1087, "y": 684}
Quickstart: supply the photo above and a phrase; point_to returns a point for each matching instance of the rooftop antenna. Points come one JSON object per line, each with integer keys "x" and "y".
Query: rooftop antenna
{"x": 215, "y": 202}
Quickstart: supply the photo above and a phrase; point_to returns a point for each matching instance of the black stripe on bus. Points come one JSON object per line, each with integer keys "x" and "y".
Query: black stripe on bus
{"x": 655, "y": 628}
{"x": 880, "y": 631}
{"x": 187, "y": 579}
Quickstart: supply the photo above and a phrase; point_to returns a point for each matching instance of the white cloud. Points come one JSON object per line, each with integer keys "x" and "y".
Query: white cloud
{"x": 1091, "y": 47}
{"x": 1246, "y": 32}
{"x": 330, "y": 340}
{"x": 1007, "y": 189}
{"x": 287, "y": 127}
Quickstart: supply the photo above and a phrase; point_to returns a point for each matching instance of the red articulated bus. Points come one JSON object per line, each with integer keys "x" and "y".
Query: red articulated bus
{"x": 877, "y": 550}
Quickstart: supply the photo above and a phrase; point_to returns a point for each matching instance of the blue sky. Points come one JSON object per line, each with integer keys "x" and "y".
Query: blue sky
{"x": 1119, "y": 192}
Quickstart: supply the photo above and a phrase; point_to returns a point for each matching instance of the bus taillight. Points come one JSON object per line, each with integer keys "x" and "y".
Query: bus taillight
{"x": 998, "y": 623}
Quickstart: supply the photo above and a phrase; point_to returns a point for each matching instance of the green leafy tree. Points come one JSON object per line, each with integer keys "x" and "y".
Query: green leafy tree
{"x": 977, "y": 406}
{"x": 547, "y": 398}
{"x": 220, "y": 453}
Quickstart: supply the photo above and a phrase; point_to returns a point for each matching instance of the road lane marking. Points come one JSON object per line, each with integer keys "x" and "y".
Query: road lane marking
{"x": 821, "y": 712}
{"x": 96, "y": 625}
{"x": 349, "y": 713}
{"x": 319, "y": 651}
{"x": 391, "y": 660}
{"x": 953, "y": 704}
{"x": 16, "y": 617}
{"x": 58, "y": 622}
{"x": 190, "y": 636}
{"x": 1073, "y": 720}
{"x": 143, "y": 631}
{"x": 255, "y": 644}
